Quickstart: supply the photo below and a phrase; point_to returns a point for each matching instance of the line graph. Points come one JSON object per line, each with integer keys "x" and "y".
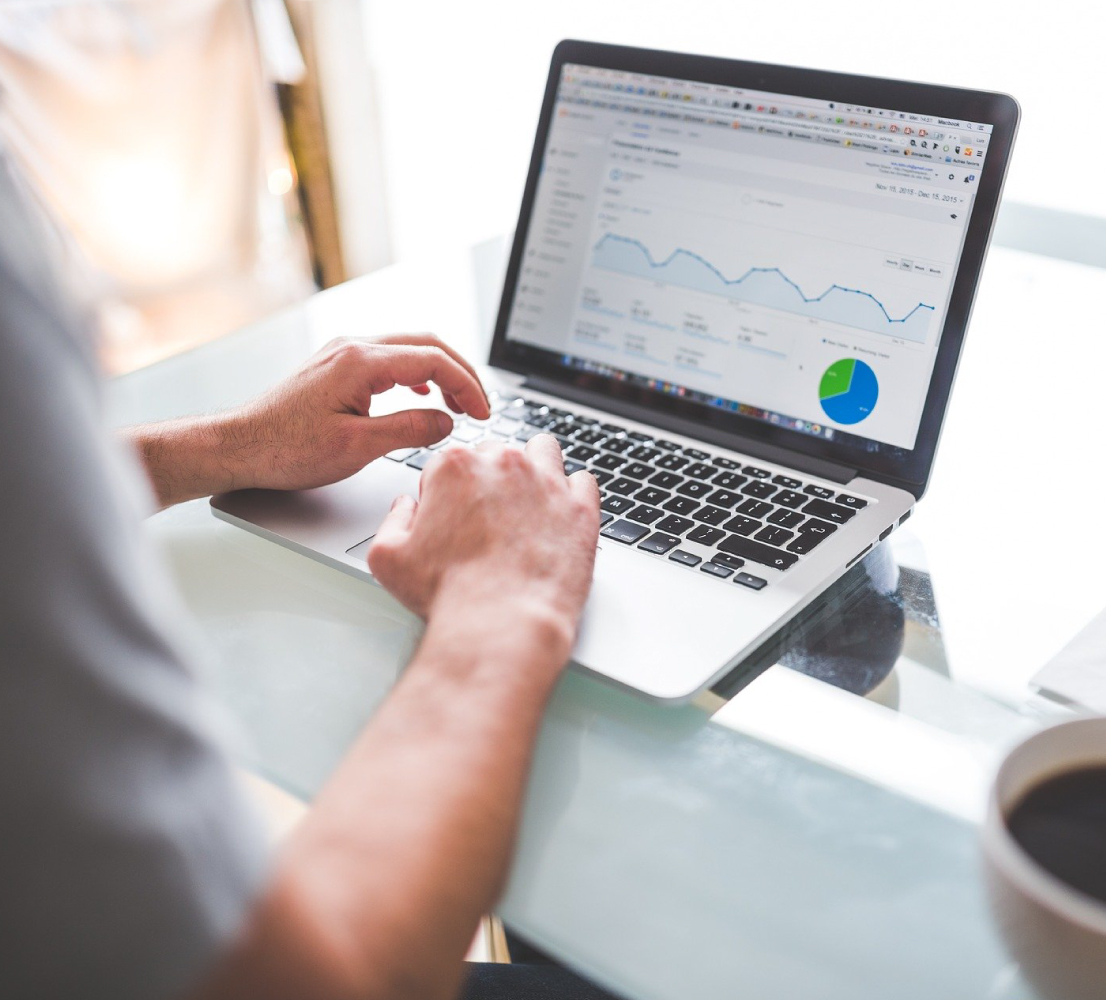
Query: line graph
{"x": 765, "y": 286}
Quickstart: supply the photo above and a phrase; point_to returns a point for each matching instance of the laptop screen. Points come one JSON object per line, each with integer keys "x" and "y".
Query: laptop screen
{"x": 789, "y": 260}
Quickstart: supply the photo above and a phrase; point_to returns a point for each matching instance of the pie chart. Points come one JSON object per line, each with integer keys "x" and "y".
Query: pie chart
{"x": 848, "y": 391}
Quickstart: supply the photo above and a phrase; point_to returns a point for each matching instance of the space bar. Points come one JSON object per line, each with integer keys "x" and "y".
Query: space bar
{"x": 758, "y": 553}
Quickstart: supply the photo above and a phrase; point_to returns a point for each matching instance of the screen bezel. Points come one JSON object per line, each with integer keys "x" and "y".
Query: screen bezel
{"x": 908, "y": 469}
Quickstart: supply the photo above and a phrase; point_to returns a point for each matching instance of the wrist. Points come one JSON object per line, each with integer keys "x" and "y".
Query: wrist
{"x": 494, "y": 619}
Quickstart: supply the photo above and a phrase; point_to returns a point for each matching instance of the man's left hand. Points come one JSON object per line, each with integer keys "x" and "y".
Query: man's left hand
{"x": 315, "y": 427}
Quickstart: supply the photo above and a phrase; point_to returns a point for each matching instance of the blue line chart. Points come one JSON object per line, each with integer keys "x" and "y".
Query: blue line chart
{"x": 765, "y": 286}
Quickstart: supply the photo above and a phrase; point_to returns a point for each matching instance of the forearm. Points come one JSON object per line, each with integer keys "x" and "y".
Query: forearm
{"x": 190, "y": 457}
{"x": 381, "y": 890}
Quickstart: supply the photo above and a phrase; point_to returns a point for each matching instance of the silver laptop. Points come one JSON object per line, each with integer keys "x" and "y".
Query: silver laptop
{"x": 737, "y": 294}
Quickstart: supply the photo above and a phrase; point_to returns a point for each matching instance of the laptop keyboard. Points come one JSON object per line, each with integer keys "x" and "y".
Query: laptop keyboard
{"x": 705, "y": 512}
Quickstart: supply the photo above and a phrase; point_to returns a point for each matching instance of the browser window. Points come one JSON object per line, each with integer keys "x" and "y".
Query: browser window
{"x": 787, "y": 259}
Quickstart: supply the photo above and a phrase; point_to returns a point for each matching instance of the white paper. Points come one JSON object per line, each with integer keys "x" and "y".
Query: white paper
{"x": 1078, "y": 672}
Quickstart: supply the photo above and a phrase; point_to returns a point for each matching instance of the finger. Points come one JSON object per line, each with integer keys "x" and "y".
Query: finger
{"x": 430, "y": 340}
{"x": 545, "y": 453}
{"x": 405, "y": 429}
{"x": 397, "y": 523}
{"x": 405, "y": 365}
{"x": 583, "y": 484}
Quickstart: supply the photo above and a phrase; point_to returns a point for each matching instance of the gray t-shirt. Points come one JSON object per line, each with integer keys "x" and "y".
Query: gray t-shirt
{"x": 128, "y": 857}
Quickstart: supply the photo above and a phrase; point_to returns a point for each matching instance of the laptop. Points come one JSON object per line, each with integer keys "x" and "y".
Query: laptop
{"x": 737, "y": 294}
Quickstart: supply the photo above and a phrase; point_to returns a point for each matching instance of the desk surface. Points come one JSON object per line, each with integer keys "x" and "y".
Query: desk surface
{"x": 801, "y": 841}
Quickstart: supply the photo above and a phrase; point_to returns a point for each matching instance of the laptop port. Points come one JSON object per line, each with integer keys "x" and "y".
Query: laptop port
{"x": 886, "y": 531}
{"x": 902, "y": 520}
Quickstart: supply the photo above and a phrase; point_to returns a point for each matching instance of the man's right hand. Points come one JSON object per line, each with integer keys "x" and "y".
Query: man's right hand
{"x": 494, "y": 527}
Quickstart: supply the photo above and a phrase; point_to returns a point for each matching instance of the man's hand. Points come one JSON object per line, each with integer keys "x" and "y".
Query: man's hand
{"x": 315, "y": 427}
{"x": 380, "y": 888}
{"x": 495, "y": 526}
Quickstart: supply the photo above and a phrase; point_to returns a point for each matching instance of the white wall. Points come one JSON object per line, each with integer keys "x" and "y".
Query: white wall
{"x": 461, "y": 83}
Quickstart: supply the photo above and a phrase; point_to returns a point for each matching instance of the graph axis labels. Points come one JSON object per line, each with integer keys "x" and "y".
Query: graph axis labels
{"x": 764, "y": 286}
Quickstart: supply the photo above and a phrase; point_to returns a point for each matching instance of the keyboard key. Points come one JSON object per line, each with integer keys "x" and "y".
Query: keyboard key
{"x": 712, "y": 515}
{"x": 729, "y": 480}
{"x": 571, "y": 466}
{"x": 562, "y": 428}
{"x": 685, "y": 558}
{"x": 829, "y": 511}
{"x": 847, "y": 501}
{"x": 646, "y": 454}
{"x": 757, "y": 552}
{"x": 755, "y": 508}
{"x": 699, "y": 456}
{"x": 694, "y": 488}
{"x": 609, "y": 461}
{"x": 791, "y": 484}
{"x": 681, "y": 505}
{"x": 618, "y": 445}
{"x": 706, "y": 535}
{"x": 637, "y": 470}
{"x": 604, "y": 517}
{"x": 724, "y": 498}
{"x": 624, "y": 486}
{"x": 666, "y": 445}
{"x": 818, "y": 491}
{"x": 671, "y": 462}
{"x": 646, "y": 514}
{"x": 467, "y": 433}
{"x": 806, "y": 543}
{"x": 821, "y": 529}
{"x": 420, "y": 459}
{"x": 651, "y": 495}
{"x": 743, "y": 525}
{"x": 527, "y": 431}
{"x": 715, "y": 569}
{"x": 401, "y": 454}
{"x": 674, "y": 524}
{"x": 752, "y": 470}
{"x": 601, "y": 477}
{"x": 639, "y": 436}
{"x": 758, "y": 489}
{"x": 723, "y": 463}
{"x": 590, "y": 437}
{"x": 787, "y": 498}
{"x": 612, "y": 429}
{"x": 659, "y": 542}
{"x": 617, "y": 505}
{"x": 725, "y": 559}
{"x": 665, "y": 480}
{"x": 785, "y": 518}
{"x": 700, "y": 470}
{"x": 748, "y": 580}
{"x": 582, "y": 453}
{"x": 624, "y": 531}
{"x": 773, "y": 535}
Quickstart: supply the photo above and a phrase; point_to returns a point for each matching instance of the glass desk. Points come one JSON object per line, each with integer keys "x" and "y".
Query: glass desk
{"x": 784, "y": 836}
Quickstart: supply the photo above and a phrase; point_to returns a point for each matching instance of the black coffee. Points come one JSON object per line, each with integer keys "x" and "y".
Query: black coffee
{"x": 1062, "y": 825}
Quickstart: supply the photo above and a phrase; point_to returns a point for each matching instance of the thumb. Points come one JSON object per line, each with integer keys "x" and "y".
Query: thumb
{"x": 405, "y": 429}
{"x": 392, "y": 533}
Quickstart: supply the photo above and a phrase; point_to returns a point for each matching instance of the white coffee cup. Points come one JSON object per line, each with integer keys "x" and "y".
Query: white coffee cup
{"x": 1056, "y": 933}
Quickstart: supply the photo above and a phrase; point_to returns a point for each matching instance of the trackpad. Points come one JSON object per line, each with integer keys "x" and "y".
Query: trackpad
{"x": 360, "y": 551}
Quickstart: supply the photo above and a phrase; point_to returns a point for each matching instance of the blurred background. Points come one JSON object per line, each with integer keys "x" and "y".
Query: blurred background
{"x": 210, "y": 161}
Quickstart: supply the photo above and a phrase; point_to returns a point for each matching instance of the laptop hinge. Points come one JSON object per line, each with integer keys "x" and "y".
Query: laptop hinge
{"x": 833, "y": 471}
